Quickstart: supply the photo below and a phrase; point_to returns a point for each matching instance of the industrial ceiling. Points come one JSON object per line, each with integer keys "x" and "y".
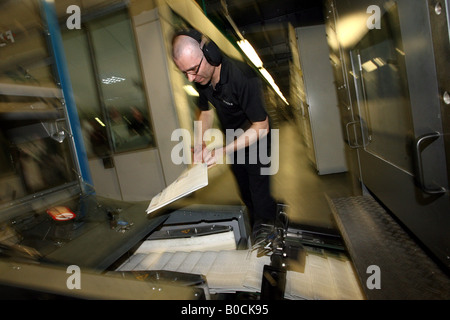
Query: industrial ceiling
{"x": 264, "y": 23}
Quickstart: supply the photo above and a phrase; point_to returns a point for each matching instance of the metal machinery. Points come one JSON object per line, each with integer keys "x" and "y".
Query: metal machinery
{"x": 52, "y": 223}
{"x": 389, "y": 59}
{"x": 393, "y": 97}
{"x": 51, "y": 218}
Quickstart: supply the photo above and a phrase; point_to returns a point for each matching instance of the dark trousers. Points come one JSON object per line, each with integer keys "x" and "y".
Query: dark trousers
{"x": 255, "y": 192}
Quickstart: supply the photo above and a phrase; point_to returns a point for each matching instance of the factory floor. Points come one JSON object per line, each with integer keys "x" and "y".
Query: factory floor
{"x": 296, "y": 183}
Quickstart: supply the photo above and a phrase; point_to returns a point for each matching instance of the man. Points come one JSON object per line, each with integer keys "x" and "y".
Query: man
{"x": 235, "y": 90}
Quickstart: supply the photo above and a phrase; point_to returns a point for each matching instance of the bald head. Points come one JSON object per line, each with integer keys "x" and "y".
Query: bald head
{"x": 189, "y": 58}
{"x": 185, "y": 46}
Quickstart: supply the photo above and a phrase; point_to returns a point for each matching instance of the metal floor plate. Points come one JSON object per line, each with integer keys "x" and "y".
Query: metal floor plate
{"x": 374, "y": 238}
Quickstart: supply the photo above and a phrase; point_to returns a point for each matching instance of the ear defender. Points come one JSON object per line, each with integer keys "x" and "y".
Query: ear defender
{"x": 210, "y": 50}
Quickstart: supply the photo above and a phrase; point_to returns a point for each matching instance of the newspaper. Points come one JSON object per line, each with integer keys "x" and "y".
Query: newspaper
{"x": 326, "y": 277}
{"x": 189, "y": 181}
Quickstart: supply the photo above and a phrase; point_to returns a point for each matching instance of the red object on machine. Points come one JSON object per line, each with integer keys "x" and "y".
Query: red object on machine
{"x": 61, "y": 213}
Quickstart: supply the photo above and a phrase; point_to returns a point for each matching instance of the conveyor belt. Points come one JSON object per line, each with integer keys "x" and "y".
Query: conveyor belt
{"x": 373, "y": 237}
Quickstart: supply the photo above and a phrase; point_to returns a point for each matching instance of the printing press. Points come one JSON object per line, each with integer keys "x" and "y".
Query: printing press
{"x": 123, "y": 253}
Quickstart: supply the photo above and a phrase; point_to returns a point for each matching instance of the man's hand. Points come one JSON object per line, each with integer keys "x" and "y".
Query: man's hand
{"x": 198, "y": 153}
{"x": 214, "y": 156}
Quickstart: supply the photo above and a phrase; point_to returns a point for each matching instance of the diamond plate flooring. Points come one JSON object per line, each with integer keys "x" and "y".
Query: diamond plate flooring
{"x": 374, "y": 238}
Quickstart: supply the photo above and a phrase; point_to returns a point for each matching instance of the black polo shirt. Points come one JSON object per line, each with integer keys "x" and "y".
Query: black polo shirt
{"x": 237, "y": 98}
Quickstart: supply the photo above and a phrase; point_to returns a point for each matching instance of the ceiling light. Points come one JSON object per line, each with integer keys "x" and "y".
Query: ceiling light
{"x": 267, "y": 76}
{"x": 112, "y": 80}
{"x": 99, "y": 121}
{"x": 269, "y": 79}
{"x": 250, "y": 52}
{"x": 254, "y": 58}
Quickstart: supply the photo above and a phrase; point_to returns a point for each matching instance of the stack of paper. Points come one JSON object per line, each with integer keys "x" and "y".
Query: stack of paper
{"x": 325, "y": 277}
{"x": 213, "y": 242}
{"x": 225, "y": 271}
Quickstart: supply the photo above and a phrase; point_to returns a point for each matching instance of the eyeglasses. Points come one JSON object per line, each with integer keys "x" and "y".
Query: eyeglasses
{"x": 192, "y": 72}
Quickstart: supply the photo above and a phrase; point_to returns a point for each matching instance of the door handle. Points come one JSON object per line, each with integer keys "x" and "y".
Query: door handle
{"x": 419, "y": 168}
{"x": 353, "y": 146}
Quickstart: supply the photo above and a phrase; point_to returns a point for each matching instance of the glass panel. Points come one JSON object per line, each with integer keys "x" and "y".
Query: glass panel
{"x": 121, "y": 84}
{"x": 85, "y": 93}
{"x": 35, "y": 153}
{"x": 387, "y": 111}
{"x": 24, "y": 58}
{"x": 37, "y": 156}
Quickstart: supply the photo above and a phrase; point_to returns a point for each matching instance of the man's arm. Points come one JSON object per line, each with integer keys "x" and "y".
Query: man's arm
{"x": 256, "y": 131}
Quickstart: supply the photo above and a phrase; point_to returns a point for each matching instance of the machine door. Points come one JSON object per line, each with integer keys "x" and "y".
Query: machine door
{"x": 404, "y": 119}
